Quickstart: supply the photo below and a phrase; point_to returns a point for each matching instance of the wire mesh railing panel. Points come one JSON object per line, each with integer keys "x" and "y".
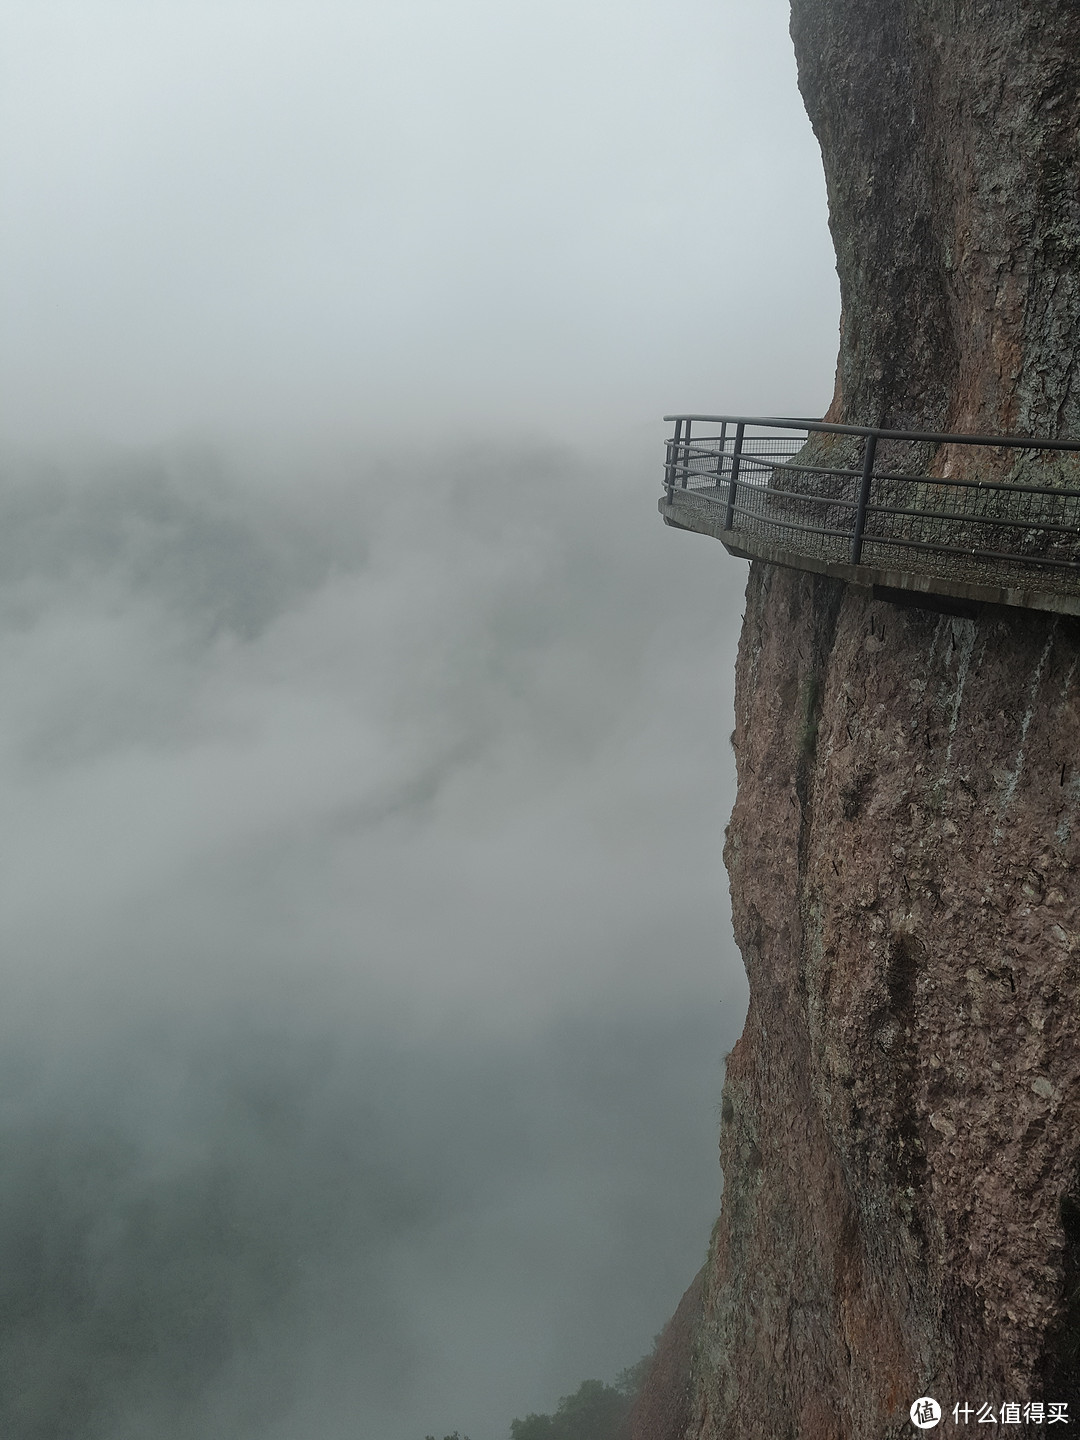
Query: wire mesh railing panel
{"x": 1000, "y": 511}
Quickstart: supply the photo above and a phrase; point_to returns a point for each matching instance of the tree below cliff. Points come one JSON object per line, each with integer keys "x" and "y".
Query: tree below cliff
{"x": 595, "y": 1411}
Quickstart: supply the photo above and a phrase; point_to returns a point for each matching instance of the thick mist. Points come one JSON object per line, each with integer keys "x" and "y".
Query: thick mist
{"x": 362, "y": 917}
{"x": 363, "y": 735}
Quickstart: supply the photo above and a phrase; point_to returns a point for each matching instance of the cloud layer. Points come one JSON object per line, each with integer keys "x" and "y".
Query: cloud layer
{"x": 363, "y": 735}
{"x": 362, "y": 914}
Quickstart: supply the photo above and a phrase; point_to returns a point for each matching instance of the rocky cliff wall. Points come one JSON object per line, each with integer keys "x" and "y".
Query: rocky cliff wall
{"x": 948, "y": 132}
{"x": 901, "y": 1117}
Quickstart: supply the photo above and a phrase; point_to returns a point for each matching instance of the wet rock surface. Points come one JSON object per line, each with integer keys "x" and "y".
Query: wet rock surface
{"x": 901, "y": 1117}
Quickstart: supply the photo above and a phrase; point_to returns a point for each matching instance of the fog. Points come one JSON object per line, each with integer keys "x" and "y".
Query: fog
{"x": 363, "y": 733}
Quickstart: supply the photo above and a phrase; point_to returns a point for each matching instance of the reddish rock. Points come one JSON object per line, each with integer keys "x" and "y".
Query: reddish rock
{"x": 663, "y": 1409}
{"x": 948, "y": 131}
{"x": 901, "y": 1117}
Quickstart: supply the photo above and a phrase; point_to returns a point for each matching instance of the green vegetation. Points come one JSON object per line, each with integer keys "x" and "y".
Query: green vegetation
{"x": 595, "y": 1411}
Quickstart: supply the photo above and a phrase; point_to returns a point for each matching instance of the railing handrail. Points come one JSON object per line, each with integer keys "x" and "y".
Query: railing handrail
{"x": 774, "y": 422}
{"x": 986, "y": 532}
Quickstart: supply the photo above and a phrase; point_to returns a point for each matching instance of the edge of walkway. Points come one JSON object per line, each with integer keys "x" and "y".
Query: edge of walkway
{"x": 708, "y": 519}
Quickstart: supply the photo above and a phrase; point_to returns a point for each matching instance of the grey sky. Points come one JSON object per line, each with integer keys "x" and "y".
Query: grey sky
{"x": 363, "y": 763}
{"x": 237, "y": 212}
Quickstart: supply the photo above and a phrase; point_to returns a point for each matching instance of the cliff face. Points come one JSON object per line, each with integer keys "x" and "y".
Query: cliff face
{"x": 664, "y": 1408}
{"x": 901, "y": 1118}
{"x": 948, "y": 135}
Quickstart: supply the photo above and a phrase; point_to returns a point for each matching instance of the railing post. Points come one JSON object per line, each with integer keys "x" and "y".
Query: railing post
{"x": 736, "y": 461}
{"x": 720, "y": 454}
{"x": 864, "y": 498}
{"x": 672, "y": 460}
{"x": 686, "y": 442}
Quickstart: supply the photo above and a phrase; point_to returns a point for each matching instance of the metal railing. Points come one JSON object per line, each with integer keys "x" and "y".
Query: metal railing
{"x": 999, "y": 511}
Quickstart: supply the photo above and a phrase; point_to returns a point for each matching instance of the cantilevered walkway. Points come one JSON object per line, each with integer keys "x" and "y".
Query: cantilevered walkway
{"x": 980, "y": 518}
